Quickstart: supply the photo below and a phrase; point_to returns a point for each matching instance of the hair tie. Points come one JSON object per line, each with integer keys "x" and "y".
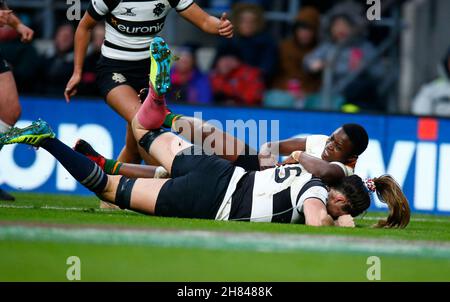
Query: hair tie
{"x": 370, "y": 185}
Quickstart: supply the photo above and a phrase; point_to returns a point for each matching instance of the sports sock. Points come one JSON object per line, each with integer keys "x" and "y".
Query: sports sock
{"x": 170, "y": 119}
{"x": 84, "y": 170}
{"x": 112, "y": 166}
{"x": 153, "y": 111}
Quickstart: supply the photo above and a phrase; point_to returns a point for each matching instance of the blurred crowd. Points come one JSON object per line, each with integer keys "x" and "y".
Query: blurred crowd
{"x": 251, "y": 69}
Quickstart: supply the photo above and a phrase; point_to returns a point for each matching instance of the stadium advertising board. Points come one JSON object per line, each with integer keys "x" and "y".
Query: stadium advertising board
{"x": 416, "y": 151}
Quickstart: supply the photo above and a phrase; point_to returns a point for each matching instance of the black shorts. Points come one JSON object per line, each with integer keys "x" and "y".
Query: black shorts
{"x": 249, "y": 161}
{"x": 197, "y": 187}
{"x": 4, "y": 67}
{"x": 112, "y": 73}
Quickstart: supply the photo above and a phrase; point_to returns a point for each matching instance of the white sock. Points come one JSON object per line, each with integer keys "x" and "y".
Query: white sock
{"x": 4, "y": 126}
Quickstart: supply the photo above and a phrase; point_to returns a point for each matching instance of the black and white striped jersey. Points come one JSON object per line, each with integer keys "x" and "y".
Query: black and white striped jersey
{"x": 131, "y": 24}
{"x": 272, "y": 195}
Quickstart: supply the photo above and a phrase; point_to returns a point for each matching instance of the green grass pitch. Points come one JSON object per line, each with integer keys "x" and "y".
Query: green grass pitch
{"x": 39, "y": 232}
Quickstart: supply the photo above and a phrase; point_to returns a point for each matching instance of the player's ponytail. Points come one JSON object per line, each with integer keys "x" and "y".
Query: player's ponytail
{"x": 390, "y": 193}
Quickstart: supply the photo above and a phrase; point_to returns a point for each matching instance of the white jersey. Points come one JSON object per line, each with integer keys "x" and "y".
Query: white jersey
{"x": 131, "y": 24}
{"x": 272, "y": 195}
{"x": 315, "y": 144}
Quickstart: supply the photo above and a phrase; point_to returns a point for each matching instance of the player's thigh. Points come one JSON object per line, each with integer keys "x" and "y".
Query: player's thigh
{"x": 212, "y": 139}
{"x": 145, "y": 194}
{"x": 125, "y": 101}
{"x": 9, "y": 99}
{"x": 165, "y": 147}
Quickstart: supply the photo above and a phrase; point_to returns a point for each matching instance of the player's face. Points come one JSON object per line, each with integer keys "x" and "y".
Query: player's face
{"x": 336, "y": 202}
{"x": 338, "y": 147}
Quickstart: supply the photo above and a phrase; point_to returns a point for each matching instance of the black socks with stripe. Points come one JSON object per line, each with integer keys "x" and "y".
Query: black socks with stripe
{"x": 84, "y": 170}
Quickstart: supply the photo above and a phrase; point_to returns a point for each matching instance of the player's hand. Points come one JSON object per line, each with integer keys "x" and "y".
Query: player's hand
{"x": 266, "y": 161}
{"x": 291, "y": 159}
{"x": 345, "y": 221}
{"x": 288, "y": 161}
{"x": 26, "y": 33}
{"x": 4, "y": 17}
{"x": 71, "y": 87}
{"x": 225, "y": 27}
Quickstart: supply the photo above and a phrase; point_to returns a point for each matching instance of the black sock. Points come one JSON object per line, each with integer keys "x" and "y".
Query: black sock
{"x": 84, "y": 170}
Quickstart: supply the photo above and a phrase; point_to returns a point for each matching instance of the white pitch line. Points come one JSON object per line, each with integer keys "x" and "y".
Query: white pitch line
{"x": 49, "y": 208}
{"x": 213, "y": 240}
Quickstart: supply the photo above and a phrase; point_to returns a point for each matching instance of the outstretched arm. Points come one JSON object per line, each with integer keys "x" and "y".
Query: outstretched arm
{"x": 209, "y": 24}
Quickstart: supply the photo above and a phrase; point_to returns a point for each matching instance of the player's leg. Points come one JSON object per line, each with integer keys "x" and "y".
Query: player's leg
{"x": 10, "y": 109}
{"x": 124, "y": 100}
{"x": 115, "y": 167}
{"x": 161, "y": 145}
{"x": 212, "y": 139}
{"x": 139, "y": 195}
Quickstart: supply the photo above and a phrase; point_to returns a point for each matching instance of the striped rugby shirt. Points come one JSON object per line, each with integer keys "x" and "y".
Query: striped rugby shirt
{"x": 131, "y": 24}
{"x": 272, "y": 195}
{"x": 277, "y": 194}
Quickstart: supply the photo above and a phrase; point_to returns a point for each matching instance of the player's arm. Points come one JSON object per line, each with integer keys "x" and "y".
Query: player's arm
{"x": 316, "y": 213}
{"x": 82, "y": 40}
{"x": 269, "y": 152}
{"x": 4, "y": 16}
{"x": 209, "y": 24}
{"x": 329, "y": 173}
{"x": 8, "y": 17}
{"x": 284, "y": 147}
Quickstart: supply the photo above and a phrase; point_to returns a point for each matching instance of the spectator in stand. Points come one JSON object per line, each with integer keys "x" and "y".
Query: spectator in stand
{"x": 434, "y": 98}
{"x": 189, "y": 84}
{"x": 347, "y": 47}
{"x": 291, "y": 82}
{"x": 22, "y": 58}
{"x": 234, "y": 82}
{"x": 257, "y": 48}
{"x": 88, "y": 85}
{"x": 59, "y": 61}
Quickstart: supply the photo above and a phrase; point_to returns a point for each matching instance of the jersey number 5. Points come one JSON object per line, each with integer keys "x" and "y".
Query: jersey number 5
{"x": 282, "y": 173}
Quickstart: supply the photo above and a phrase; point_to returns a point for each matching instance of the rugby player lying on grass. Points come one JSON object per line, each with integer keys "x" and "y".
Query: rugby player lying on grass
{"x": 209, "y": 187}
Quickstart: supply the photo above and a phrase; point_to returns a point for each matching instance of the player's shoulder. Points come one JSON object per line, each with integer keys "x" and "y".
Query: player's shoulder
{"x": 317, "y": 137}
{"x": 314, "y": 188}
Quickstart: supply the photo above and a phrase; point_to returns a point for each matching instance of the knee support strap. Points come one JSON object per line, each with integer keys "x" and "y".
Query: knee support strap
{"x": 123, "y": 193}
{"x": 148, "y": 139}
